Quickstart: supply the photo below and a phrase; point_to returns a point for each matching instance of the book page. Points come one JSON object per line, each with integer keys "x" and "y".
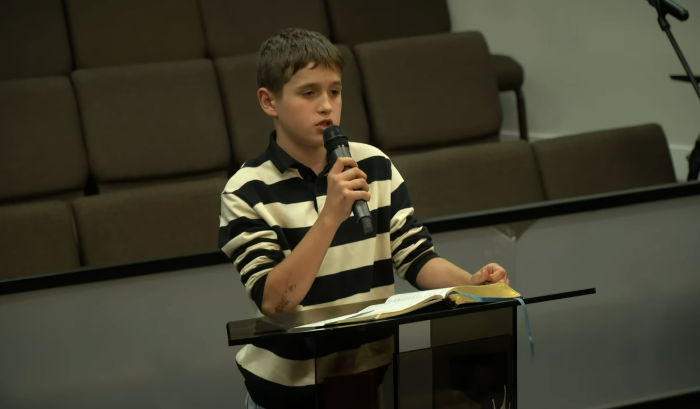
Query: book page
{"x": 400, "y": 303}
{"x": 394, "y": 306}
{"x": 395, "y": 303}
{"x": 368, "y": 312}
{"x": 417, "y": 296}
{"x": 331, "y": 320}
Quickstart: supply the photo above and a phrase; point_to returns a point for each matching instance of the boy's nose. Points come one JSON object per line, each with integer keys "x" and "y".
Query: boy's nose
{"x": 325, "y": 105}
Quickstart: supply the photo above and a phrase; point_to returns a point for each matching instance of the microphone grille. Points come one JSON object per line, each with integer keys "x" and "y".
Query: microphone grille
{"x": 332, "y": 132}
{"x": 333, "y": 136}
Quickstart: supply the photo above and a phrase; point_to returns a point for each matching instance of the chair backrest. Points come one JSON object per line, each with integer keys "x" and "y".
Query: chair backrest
{"x": 430, "y": 90}
{"x": 33, "y": 39}
{"x": 604, "y": 161}
{"x": 119, "y": 32}
{"x": 250, "y": 127}
{"x": 152, "y": 121}
{"x": 359, "y": 21}
{"x": 37, "y": 238}
{"x": 238, "y": 27}
{"x": 464, "y": 179}
{"x": 146, "y": 224}
{"x": 41, "y": 147}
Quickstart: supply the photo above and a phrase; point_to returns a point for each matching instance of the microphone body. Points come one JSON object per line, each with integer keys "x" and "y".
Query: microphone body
{"x": 337, "y": 146}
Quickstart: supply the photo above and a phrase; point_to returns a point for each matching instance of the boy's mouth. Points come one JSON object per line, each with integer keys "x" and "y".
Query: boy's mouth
{"x": 324, "y": 124}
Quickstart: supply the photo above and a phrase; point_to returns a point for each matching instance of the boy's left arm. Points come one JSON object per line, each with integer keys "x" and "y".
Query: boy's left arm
{"x": 412, "y": 249}
{"x": 440, "y": 273}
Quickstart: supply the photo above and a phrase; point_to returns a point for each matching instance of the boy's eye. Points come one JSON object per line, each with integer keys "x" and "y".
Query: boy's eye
{"x": 335, "y": 92}
{"x": 308, "y": 93}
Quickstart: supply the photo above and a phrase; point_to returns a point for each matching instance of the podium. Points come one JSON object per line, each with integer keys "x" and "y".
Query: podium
{"x": 471, "y": 359}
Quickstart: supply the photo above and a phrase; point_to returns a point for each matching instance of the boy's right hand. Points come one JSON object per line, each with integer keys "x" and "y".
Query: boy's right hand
{"x": 344, "y": 188}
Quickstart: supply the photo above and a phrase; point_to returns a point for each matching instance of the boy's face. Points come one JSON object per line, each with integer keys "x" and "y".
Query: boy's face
{"x": 310, "y": 102}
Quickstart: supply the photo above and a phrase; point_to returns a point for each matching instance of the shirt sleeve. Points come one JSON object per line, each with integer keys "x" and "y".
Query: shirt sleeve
{"x": 249, "y": 242}
{"x": 411, "y": 244}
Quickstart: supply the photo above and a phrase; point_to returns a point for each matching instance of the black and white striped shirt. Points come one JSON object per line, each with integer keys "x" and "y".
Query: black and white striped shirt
{"x": 266, "y": 209}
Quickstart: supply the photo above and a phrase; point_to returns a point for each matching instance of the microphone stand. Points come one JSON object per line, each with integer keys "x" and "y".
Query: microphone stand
{"x": 662, "y": 8}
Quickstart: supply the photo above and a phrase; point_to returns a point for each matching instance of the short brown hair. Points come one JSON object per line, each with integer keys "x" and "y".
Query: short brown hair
{"x": 282, "y": 55}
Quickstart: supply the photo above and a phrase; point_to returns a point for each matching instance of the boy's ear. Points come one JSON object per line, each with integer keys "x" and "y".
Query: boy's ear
{"x": 267, "y": 101}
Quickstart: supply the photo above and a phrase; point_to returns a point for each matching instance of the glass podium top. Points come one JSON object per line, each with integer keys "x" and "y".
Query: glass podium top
{"x": 285, "y": 325}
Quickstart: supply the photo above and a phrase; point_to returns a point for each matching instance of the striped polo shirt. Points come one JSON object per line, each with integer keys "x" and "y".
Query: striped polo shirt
{"x": 266, "y": 209}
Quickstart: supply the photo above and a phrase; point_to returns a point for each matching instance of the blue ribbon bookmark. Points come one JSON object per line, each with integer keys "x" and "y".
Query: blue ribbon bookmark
{"x": 527, "y": 328}
{"x": 522, "y": 304}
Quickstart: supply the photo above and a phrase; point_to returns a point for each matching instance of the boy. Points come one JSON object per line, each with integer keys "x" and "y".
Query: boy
{"x": 285, "y": 223}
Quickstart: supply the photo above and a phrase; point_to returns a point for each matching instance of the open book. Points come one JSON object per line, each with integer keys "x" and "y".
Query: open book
{"x": 403, "y": 303}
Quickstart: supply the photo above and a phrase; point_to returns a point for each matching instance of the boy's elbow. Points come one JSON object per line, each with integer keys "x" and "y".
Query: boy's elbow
{"x": 266, "y": 306}
{"x": 267, "y": 309}
{"x": 270, "y": 307}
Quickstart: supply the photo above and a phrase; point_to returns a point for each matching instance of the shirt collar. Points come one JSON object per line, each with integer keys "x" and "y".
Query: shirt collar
{"x": 278, "y": 156}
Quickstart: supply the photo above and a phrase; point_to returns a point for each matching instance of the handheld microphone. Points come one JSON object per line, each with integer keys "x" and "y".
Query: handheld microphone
{"x": 337, "y": 146}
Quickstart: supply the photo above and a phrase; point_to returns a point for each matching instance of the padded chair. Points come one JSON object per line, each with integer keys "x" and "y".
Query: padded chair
{"x": 464, "y": 179}
{"x": 144, "y": 224}
{"x": 430, "y": 91}
{"x": 159, "y": 126}
{"x": 250, "y": 127}
{"x": 33, "y": 39}
{"x": 152, "y": 123}
{"x": 37, "y": 238}
{"x": 604, "y": 161}
{"x": 238, "y": 27}
{"x": 119, "y": 32}
{"x": 42, "y": 155}
{"x": 361, "y": 21}
{"x": 510, "y": 77}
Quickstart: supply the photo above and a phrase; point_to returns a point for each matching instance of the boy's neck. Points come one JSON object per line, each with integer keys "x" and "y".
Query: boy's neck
{"x": 312, "y": 158}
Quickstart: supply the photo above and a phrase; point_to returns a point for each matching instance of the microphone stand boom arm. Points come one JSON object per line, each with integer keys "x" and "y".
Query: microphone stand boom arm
{"x": 664, "y": 7}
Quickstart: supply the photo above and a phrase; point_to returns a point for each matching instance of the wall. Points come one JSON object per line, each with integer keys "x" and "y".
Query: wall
{"x": 593, "y": 65}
